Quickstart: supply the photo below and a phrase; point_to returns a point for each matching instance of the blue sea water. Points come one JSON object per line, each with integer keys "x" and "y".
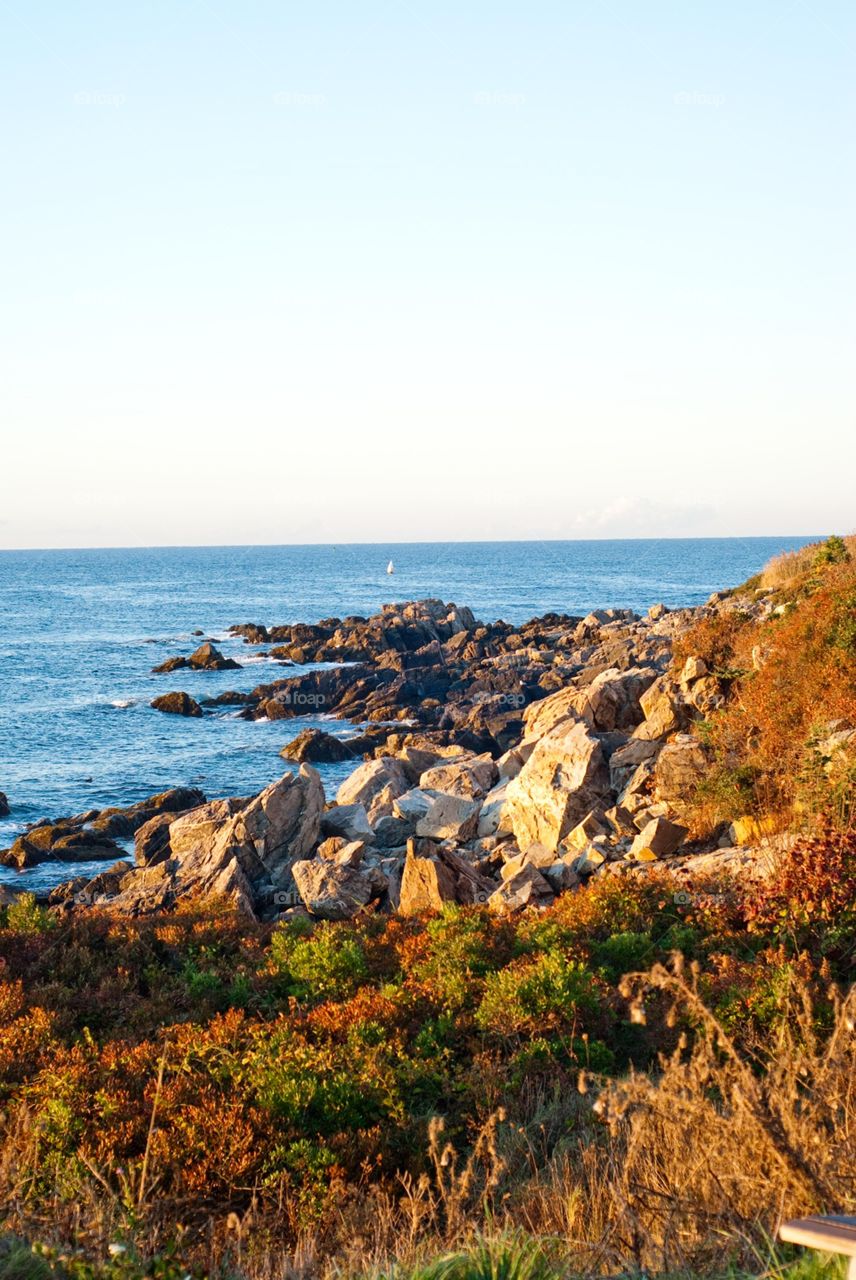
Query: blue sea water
{"x": 81, "y": 630}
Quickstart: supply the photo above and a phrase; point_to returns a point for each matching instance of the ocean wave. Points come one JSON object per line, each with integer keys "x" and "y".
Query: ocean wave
{"x": 122, "y": 703}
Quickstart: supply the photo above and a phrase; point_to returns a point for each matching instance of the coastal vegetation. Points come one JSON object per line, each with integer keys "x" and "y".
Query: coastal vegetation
{"x": 643, "y": 1075}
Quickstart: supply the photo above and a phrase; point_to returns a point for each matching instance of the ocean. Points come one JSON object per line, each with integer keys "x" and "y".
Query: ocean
{"x": 81, "y": 630}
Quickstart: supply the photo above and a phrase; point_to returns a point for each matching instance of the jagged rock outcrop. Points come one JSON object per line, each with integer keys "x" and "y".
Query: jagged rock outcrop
{"x": 242, "y": 851}
{"x": 426, "y": 884}
{"x": 564, "y": 778}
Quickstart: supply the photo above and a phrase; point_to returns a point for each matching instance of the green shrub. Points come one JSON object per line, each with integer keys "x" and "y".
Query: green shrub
{"x": 328, "y": 963}
{"x": 27, "y": 917}
{"x": 545, "y": 991}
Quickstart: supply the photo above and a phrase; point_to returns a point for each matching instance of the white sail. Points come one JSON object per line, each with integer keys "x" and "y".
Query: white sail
{"x": 390, "y": 568}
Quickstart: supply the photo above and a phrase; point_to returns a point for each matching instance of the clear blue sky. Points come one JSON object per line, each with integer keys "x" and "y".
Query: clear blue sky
{"x": 283, "y": 272}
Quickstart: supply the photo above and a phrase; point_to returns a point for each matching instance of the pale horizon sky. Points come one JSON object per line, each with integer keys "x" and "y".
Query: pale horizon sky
{"x": 390, "y": 272}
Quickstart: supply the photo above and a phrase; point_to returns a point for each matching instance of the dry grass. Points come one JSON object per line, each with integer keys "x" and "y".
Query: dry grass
{"x": 686, "y": 1171}
{"x": 792, "y": 565}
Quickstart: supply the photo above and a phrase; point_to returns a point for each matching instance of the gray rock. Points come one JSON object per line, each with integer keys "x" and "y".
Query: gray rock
{"x": 659, "y": 836}
{"x": 348, "y": 820}
{"x": 331, "y": 890}
{"x": 450, "y": 818}
{"x": 426, "y": 884}
{"x": 527, "y": 887}
{"x": 471, "y": 777}
{"x": 564, "y": 778}
{"x": 371, "y": 778}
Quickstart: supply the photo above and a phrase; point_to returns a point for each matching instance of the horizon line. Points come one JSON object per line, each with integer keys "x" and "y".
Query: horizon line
{"x": 422, "y": 542}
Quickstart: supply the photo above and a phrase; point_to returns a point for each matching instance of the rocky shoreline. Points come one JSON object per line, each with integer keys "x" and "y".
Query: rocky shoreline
{"x": 498, "y": 764}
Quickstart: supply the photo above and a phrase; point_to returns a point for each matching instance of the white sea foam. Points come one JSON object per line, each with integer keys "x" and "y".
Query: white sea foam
{"x": 123, "y": 702}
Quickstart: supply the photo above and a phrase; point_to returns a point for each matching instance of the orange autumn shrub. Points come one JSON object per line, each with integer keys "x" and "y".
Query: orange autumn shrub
{"x": 792, "y": 676}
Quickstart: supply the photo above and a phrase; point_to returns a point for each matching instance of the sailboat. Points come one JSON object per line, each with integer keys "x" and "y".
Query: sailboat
{"x": 390, "y": 568}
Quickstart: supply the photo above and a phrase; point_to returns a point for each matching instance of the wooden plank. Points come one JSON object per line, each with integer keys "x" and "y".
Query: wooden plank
{"x": 834, "y": 1233}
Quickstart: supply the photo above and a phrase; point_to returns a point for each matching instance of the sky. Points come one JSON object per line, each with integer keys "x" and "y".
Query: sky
{"x": 275, "y": 272}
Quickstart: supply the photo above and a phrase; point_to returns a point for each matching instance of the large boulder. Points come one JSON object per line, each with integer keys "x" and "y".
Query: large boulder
{"x": 543, "y": 716}
{"x": 680, "y": 767}
{"x": 612, "y": 700}
{"x": 347, "y": 820}
{"x": 237, "y": 854}
{"x": 565, "y": 777}
{"x": 277, "y": 828}
{"x": 471, "y": 776}
{"x": 413, "y": 805}
{"x": 371, "y": 778}
{"x": 450, "y": 818}
{"x": 333, "y": 890}
{"x": 426, "y": 884}
{"x": 663, "y": 708}
{"x": 659, "y": 838}
{"x": 199, "y": 826}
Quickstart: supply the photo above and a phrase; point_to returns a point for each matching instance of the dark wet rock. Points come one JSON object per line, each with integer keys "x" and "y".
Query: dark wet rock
{"x": 316, "y": 746}
{"x": 391, "y": 832}
{"x": 177, "y": 704}
{"x": 208, "y": 658}
{"x": 176, "y": 800}
{"x": 231, "y": 698}
{"x": 107, "y": 884}
{"x": 4, "y": 805}
{"x": 114, "y": 823}
{"x": 342, "y": 690}
{"x": 171, "y": 664}
{"x": 252, "y": 632}
{"x": 91, "y": 835}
